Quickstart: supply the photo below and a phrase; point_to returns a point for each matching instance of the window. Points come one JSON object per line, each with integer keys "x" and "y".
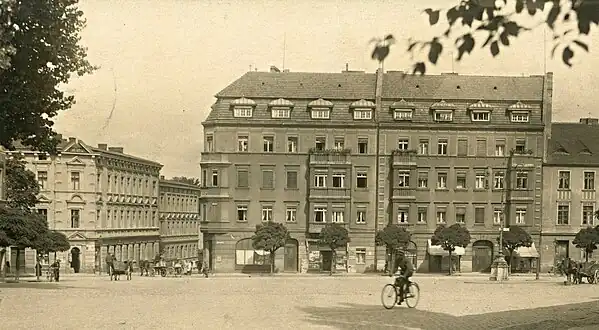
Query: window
{"x": 290, "y": 214}
{"x": 42, "y": 156}
{"x": 215, "y": 178}
{"x": 462, "y": 147}
{"x": 443, "y": 115}
{"x": 75, "y": 218}
{"x": 42, "y": 179}
{"x": 320, "y": 180}
{"x": 442, "y": 147}
{"x": 266, "y": 213}
{"x": 403, "y": 144}
{"x": 588, "y": 213}
{"x": 362, "y": 146}
{"x": 402, "y": 215}
{"x": 497, "y": 215}
{"x": 242, "y": 213}
{"x": 521, "y": 180}
{"x": 481, "y": 147}
{"x": 403, "y": 179}
{"x": 209, "y": 143}
{"x": 320, "y": 143}
{"x": 360, "y": 256}
{"x": 339, "y": 180}
{"x": 320, "y": 113}
{"x": 43, "y": 213}
{"x": 479, "y": 215}
{"x": 75, "y": 180}
{"x": 292, "y": 144}
{"x": 460, "y": 180}
{"x": 520, "y": 146}
{"x": 339, "y": 143}
{"x": 280, "y": 112}
{"x": 402, "y": 114}
{"x": 589, "y": 180}
{"x": 520, "y": 215}
{"x": 481, "y": 116}
{"x": 498, "y": 180}
{"x": 242, "y": 112}
{"x": 460, "y": 215}
{"x": 320, "y": 214}
{"x": 243, "y": 178}
{"x": 520, "y": 117}
{"x": 268, "y": 179}
{"x": 480, "y": 181}
{"x": 242, "y": 143}
{"x": 269, "y": 143}
{"x": 423, "y": 147}
{"x": 362, "y": 114}
{"x": 362, "y": 180}
{"x": 422, "y": 179}
{"x": 338, "y": 216}
{"x": 563, "y": 214}
{"x": 245, "y": 254}
{"x": 564, "y": 180}
{"x": 441, "y": 216}
{"x": 291, "y": 180}
{"x": 441, "y": 180}
{"x": 500, "y": 148}
{"x": 422, "y": 214}
{"x": 361, "y": 216}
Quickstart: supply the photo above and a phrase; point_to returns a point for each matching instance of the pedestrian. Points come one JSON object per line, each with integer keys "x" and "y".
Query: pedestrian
{"x": 56, "y": 270}
{"x": 38, "y": 269}
{"x": 109, "y": 260}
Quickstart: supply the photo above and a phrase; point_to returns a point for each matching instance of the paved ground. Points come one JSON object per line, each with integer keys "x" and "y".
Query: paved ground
{"x": 226, "y": 302}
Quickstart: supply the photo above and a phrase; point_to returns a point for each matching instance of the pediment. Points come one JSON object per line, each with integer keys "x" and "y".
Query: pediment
{"x": 43, "y": 199}
{"x": 76, "y": 199}
{"x": 77, "y": 236}
{"x": 77, "y": 147}
{"x": 75, "y": 161}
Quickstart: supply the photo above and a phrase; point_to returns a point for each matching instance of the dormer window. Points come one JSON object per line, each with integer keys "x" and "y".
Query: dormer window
{"x": 399, "y": 114}
{"x": 403, "y": 110}
{"x": 362, "y": 109}
{"x": 519, "y": 112}
{"x": 280, "y": 108}
{"x": 481, "y": 116}
{"x": 363, "y": 114}
{"x": 480, "y": 111}
{"x": 443, "y": 115}
{"x": 443, "y": 111}
{"x": 321, "y": 113}
{"x": 519, "y": 117}
{"x": 242, "y": 112}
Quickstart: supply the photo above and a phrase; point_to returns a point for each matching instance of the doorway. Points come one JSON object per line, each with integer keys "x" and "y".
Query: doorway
{"x": 291, "y": 259}
{"x": 75, "y": 259}
{"x": 482, "y": 256}
{"x": 327, "y": 260}
{"x": 562, "y": 250}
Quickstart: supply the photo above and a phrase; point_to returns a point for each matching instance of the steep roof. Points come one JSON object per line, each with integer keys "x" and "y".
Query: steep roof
{"x": 573, "y": 144}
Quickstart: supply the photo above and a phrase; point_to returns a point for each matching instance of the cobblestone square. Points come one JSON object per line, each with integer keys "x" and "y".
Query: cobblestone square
{"x": 223, "y": 302}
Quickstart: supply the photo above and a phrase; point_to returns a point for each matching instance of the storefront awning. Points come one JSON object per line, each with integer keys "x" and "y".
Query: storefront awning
{"x": 527, "y": 252}
{"x": 437, "y": 250}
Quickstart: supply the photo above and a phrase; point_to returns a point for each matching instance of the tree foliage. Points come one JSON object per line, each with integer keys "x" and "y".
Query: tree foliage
{"x": 451, "y": 237}
{"x": 587, "y": 239}
{"x": 270, "y": 237}
{"x": 47, "y": 52}
{"x": 334, "y": 236}
{"x": 494, "y": 24}
{"x": 22, "y": 229}
{"x": 514, "y": 238}
{"x": 52, "y": 241}
{"x": 6, "y": 33}
{"x": 393, "y": 237}
{"x": 183, "y": 179}
{"x": 21, "y": 185}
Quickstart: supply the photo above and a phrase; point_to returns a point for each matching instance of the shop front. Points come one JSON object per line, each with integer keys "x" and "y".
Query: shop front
{"x": 439, "y": 260}
{"x": 322, "y": 259}
{"x": 525, "y": 259}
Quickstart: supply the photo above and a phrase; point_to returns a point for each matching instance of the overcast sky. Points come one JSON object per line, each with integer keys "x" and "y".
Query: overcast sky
{"x": 168, "y": 58}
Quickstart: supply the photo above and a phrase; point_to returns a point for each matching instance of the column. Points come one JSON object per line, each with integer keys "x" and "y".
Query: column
{"x": 125, "y": 252}
{"x": 103, "y": 254}
{"x": 130, "y": 252}
{"x": 143, "y": 252}
{"x": 117, "y": 253}
{"x": 136, "y": 252}
{"x": 111, "y": 249}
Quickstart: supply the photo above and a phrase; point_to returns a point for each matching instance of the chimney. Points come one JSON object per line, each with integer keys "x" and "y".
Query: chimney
{"x": 59, "y": 137}
{"x": 103, "y": 146}
{"x": 346, "y": 66}
{"x": 116, "y": 149}
{"x": 286, "y": 70}
{"x": 589, "y": 121}
{"x": 547, "y": 111}
{"x": 72, "y": 139}
{"x": 162, "y": 177}
{"x": 274, "y": 69}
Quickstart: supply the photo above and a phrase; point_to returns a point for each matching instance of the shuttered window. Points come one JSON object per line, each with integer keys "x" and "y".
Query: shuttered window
{"x": 481, "y": 147}
{"x": 267, "y": 179}
{"x": 242, "y": 178}
{"x": 291, "y": 179}
{"x": 462, "y": 147}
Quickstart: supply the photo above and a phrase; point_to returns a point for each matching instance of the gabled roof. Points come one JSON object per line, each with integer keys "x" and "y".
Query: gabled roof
{"x": 519, "y": 106}
{"x": 442, "y": 105}
{"x": 480, "y": 105}
{"x": 280, "y": 102}
{"x": 362, "y": 104}
{"x": 573, "y": 144}
{"x": 403, "y": 104}
{"x": 320, "y": 103}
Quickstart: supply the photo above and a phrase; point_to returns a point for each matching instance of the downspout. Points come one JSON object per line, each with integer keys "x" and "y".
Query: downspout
{"x": 378, "y": 101}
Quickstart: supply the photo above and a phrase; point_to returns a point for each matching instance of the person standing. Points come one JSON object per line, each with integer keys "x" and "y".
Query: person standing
{"x": 109, "y": 263}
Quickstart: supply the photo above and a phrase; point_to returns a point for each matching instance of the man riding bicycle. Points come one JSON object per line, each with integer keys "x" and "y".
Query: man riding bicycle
{"x": 407, "y": 270}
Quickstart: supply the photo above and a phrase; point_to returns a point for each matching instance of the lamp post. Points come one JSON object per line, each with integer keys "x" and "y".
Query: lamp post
{"x": 499, "y": 267}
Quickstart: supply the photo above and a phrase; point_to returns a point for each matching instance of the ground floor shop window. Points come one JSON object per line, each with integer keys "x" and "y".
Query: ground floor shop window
{"x": 245, "y": 254}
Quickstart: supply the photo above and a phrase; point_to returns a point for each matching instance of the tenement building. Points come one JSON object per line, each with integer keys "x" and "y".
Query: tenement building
{"x": 103, "y": 200}
{"x": 179, "y": 219}
{"x": 570, "y": 199}
{"x": 365, "y": 150}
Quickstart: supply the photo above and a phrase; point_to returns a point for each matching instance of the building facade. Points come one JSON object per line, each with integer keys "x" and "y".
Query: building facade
{"x": 365, "y": 150}
{"x": 570, "y": 200}
{"x": 179, "y": 219}
{"x": 102, "y": 199}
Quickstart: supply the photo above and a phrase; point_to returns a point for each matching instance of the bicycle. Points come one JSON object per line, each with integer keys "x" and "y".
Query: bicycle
{"x": 391, "y": 292}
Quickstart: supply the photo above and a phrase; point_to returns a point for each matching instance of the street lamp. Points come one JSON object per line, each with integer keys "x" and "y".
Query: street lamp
{"x": 499, "y": 267}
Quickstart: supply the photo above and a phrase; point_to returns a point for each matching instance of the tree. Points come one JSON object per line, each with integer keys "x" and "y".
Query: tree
{"x": 183, "y": 179}
{"x": 270, "y": 237}
{"x": 497, "y": 23}
{"x": 451, "y": 237}
{"x": 21, "y": 185}
{"x": 393, "y": 237}
{"x": 513, "y": 239}
{"x": 52, "y": 241}
{"x": 6, "y": 33}
{"x": 334, "y": 236}
{"x": 46, "y": 54}
{"x": 587, "y": 239}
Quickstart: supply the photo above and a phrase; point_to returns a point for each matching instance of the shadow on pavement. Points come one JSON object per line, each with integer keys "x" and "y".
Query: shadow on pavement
{"x": 32, "y": 285}
{"x": 352, "y": 316}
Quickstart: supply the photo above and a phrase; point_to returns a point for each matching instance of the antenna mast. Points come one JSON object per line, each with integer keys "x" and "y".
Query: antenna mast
{"x": 284, "y": 48}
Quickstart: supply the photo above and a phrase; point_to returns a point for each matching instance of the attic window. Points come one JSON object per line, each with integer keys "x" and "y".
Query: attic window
{"x": 443, "y": 115}
{"x": 242, "y": 112}
{"x": 520, "y": 117}
{"x": 495, "y": 88}
{"x": 280, "y": 112}
{"x": 320, "y": 113}
{"x": 481, "y": 115}
{"x": 458, "y": 87}
{"x": 402, "y": 114}
{"x": 363, "y": 114}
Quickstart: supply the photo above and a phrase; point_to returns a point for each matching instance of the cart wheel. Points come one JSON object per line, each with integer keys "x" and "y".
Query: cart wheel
{"x": 591, "y": 278}
{"x": 163, "y": 272}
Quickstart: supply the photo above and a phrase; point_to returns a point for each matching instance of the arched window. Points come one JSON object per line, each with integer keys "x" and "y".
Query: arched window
{"x": 246, "y": 255}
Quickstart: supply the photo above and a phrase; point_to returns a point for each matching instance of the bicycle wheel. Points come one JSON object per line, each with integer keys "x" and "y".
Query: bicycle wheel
{"x": 389, "y": 296}
{"x": 413, "y": 295}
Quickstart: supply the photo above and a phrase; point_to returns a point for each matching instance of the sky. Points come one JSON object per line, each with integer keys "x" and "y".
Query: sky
{"x": 162, "y": 62}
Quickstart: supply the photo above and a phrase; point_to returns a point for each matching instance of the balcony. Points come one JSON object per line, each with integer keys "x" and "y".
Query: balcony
{"x": 564, "y": 195}
{"x": 404, "y": 158}
{"x": 316, "y": 227}
{"x": 329, "y": 193}
{"x": 588, "y": 195}
{"x": 215, "y": 192}
{"x": 522, "y": 194}
{"x": 214, "y": 158}
{"x": 329, "y": 157}
{"x": 404, "y": 194}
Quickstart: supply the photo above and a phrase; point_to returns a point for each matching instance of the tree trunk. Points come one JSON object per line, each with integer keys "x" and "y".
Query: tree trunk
{"x": 17, "y": 263}
{"x": 511, "y": 251}
{"x": 392, "y": 262}
{"x": 3, "y": 264}
{"x": 272, "y": 262}
{"x": 586, "y": 255}
{"x": 333, "y": 261}
{"x": 450, "y": 264}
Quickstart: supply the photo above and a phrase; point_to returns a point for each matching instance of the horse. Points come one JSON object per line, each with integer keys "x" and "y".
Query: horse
{"x": 121, "y": 268}
{"x": 571, "y": 269}
{"x": 145, "y": 266}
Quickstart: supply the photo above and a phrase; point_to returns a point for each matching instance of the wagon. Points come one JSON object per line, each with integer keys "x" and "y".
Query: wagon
{"x": 590, "y": 270}
{"x": 170, "y": 267}
{"x": 120, "y": 268}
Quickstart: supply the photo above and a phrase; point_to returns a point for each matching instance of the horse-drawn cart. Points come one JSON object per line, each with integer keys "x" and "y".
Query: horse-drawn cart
{"x": 590, "y": 270}
{"x": 170, "y": 267}
{"x": 121, "y": 268}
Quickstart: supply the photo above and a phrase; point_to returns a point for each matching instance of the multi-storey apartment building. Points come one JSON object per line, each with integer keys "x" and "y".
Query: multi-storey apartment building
{"x": 570, "y": 199}
{"x": 365, "y": 150}
{"x": 102, "y": 199}
{"x": 179, "y": 219}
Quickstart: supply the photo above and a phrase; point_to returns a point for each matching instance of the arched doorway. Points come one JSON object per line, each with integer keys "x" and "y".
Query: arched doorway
{"x": 75, "y": 259}
{"x": 291, "y": 255}
{"x": 482, "y": 256}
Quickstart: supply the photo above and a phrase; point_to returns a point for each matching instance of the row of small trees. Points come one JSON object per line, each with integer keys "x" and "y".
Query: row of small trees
{"x": 20, "y": 226}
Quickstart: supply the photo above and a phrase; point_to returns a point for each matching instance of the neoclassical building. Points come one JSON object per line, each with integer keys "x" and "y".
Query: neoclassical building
{"x": 179, "y": 219}
{"x": 101, "y": 198}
